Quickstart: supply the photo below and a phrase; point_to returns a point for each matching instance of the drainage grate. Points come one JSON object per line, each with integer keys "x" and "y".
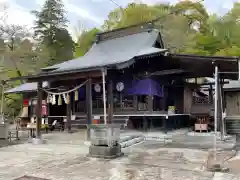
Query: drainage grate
{"x": 30, "y": 178}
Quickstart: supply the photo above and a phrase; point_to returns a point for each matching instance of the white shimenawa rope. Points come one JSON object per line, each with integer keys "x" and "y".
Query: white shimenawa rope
{"x": 65, "y": 92}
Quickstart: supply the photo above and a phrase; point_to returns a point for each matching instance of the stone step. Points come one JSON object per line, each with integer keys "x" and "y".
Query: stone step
{"x": 130, "y": 141}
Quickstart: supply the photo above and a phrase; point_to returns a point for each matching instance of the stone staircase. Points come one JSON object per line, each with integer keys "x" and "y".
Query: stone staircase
{"x": 121, "y": 120}
{"x": 80, "y": 122}
{"x": 237, "y": 146}
{"x": 131, "y": 140}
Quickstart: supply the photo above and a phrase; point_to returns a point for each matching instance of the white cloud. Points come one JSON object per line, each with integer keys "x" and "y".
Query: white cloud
{"x": 18, "y": 15}
{"x": 83, "y": 13}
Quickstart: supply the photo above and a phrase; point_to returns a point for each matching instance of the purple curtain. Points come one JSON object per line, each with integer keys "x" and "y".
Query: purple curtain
{"x": 145, "y": 87}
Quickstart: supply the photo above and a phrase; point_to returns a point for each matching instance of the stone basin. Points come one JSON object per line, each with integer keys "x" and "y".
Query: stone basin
{"x": 104, "y": 135}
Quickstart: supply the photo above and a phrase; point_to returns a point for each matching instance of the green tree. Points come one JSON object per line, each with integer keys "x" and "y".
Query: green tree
{"x": 168, "y": 19}
{"x": 85, "y": 41}
{"x": 131, "y": 15}
{"x": 19, "y": 55}
{"x": 195, "y": 13}
{"x": 50, "y": 29}
{"x": 220, "y": 38}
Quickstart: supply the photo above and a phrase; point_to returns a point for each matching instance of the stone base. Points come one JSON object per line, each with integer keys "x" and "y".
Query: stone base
{"x": 3, "y": 131}
{"x": 87, "y": 143}
{"x": 3, "y": 142}
{"x": 218, "y": 168}
{"x": 37, "y": 141}
{"x": 105, "y": 152}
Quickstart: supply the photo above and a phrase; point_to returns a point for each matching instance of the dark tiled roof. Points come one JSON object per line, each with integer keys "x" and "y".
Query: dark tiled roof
{"x": 27, "y": 87}
{"x": 113, "y": 52}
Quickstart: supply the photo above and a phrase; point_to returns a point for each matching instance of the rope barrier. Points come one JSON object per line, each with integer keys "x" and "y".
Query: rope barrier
{"x": 65, "y": 92}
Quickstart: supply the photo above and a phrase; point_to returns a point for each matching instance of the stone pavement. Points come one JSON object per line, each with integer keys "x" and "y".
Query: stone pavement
{"x": 63, "y": 159}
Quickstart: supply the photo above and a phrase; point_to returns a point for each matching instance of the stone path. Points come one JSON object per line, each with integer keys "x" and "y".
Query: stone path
{"x": 63, "y": 159}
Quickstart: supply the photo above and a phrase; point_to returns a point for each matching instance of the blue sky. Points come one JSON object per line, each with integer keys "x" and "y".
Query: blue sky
{"x": 90, "y": 13}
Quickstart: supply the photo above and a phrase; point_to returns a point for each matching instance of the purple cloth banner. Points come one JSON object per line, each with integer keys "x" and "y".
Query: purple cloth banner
{"x": 132, "y": 87}
{"x": 145, "y": 87}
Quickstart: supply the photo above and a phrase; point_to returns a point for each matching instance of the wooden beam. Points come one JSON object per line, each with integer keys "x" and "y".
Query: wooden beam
{"x": 89, "y": 105}
{"x": 110, "y": 101}
{"x": 212, "y": 83}
{"x": 69, "y": 115}
{"x": 168, "y": 72}
{"x": 69, "y": 76}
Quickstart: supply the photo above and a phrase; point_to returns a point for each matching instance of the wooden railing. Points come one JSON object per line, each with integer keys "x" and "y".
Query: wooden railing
{"x": 202, "y": 105}
{"x": 201, "y": 100}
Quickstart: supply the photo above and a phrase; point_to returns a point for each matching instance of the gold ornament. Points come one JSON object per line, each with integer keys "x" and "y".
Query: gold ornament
{"x": 76, "y": 95}
{"x": 59, "y": 100}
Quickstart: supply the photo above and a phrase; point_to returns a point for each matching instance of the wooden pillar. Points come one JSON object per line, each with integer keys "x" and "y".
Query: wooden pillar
{"x": 221, "y": 108}
{"x": 222, "y": 95}
{"x": 150, "y": 103}
{"x": 135, "y": 102}
{"x": 39, "y": 109}
{"x": 89, "y": 100}
{"x": 69, "y": 115}
{"x": 165, "y": 97}
{"x": 211, "y": 93}
{"x": 74, "y": 106}
{"x": 110, "y": 101}
{"x": 89, "y": 105}
{"x": 46, "y": 98}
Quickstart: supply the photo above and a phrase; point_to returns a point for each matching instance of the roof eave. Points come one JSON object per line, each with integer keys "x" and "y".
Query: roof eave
{"x": 20, "y": 92}
{"x": 216, "y": 58}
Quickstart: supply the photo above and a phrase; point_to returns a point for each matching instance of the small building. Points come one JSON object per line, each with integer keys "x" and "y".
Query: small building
{"x": 232, "y": 106}
{"x": 29, "y": 92}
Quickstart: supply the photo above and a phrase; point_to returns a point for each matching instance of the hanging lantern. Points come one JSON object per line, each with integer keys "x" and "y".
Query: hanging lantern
{"x": 59, "y": 100}
{"x": 53, "y": 99}
{"x": 76, "y": 95}
{"x": 25, "y": 102}
{"x": 67, "y": 99}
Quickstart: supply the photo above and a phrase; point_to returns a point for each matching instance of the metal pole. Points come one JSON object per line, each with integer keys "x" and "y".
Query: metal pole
{"x": 222, "y": 110}
{"x": 104, "y": 96}
{"x": 2, "y": 101}
{"x": 238, "y": 69}
{"x": 215, "y": 112}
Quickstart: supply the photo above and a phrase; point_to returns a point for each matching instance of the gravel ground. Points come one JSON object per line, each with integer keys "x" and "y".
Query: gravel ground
{"x": 64, "y": 157}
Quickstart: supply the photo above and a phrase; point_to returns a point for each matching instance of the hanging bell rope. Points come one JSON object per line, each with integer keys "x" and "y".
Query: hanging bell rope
{"x": 65, "y": 92}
